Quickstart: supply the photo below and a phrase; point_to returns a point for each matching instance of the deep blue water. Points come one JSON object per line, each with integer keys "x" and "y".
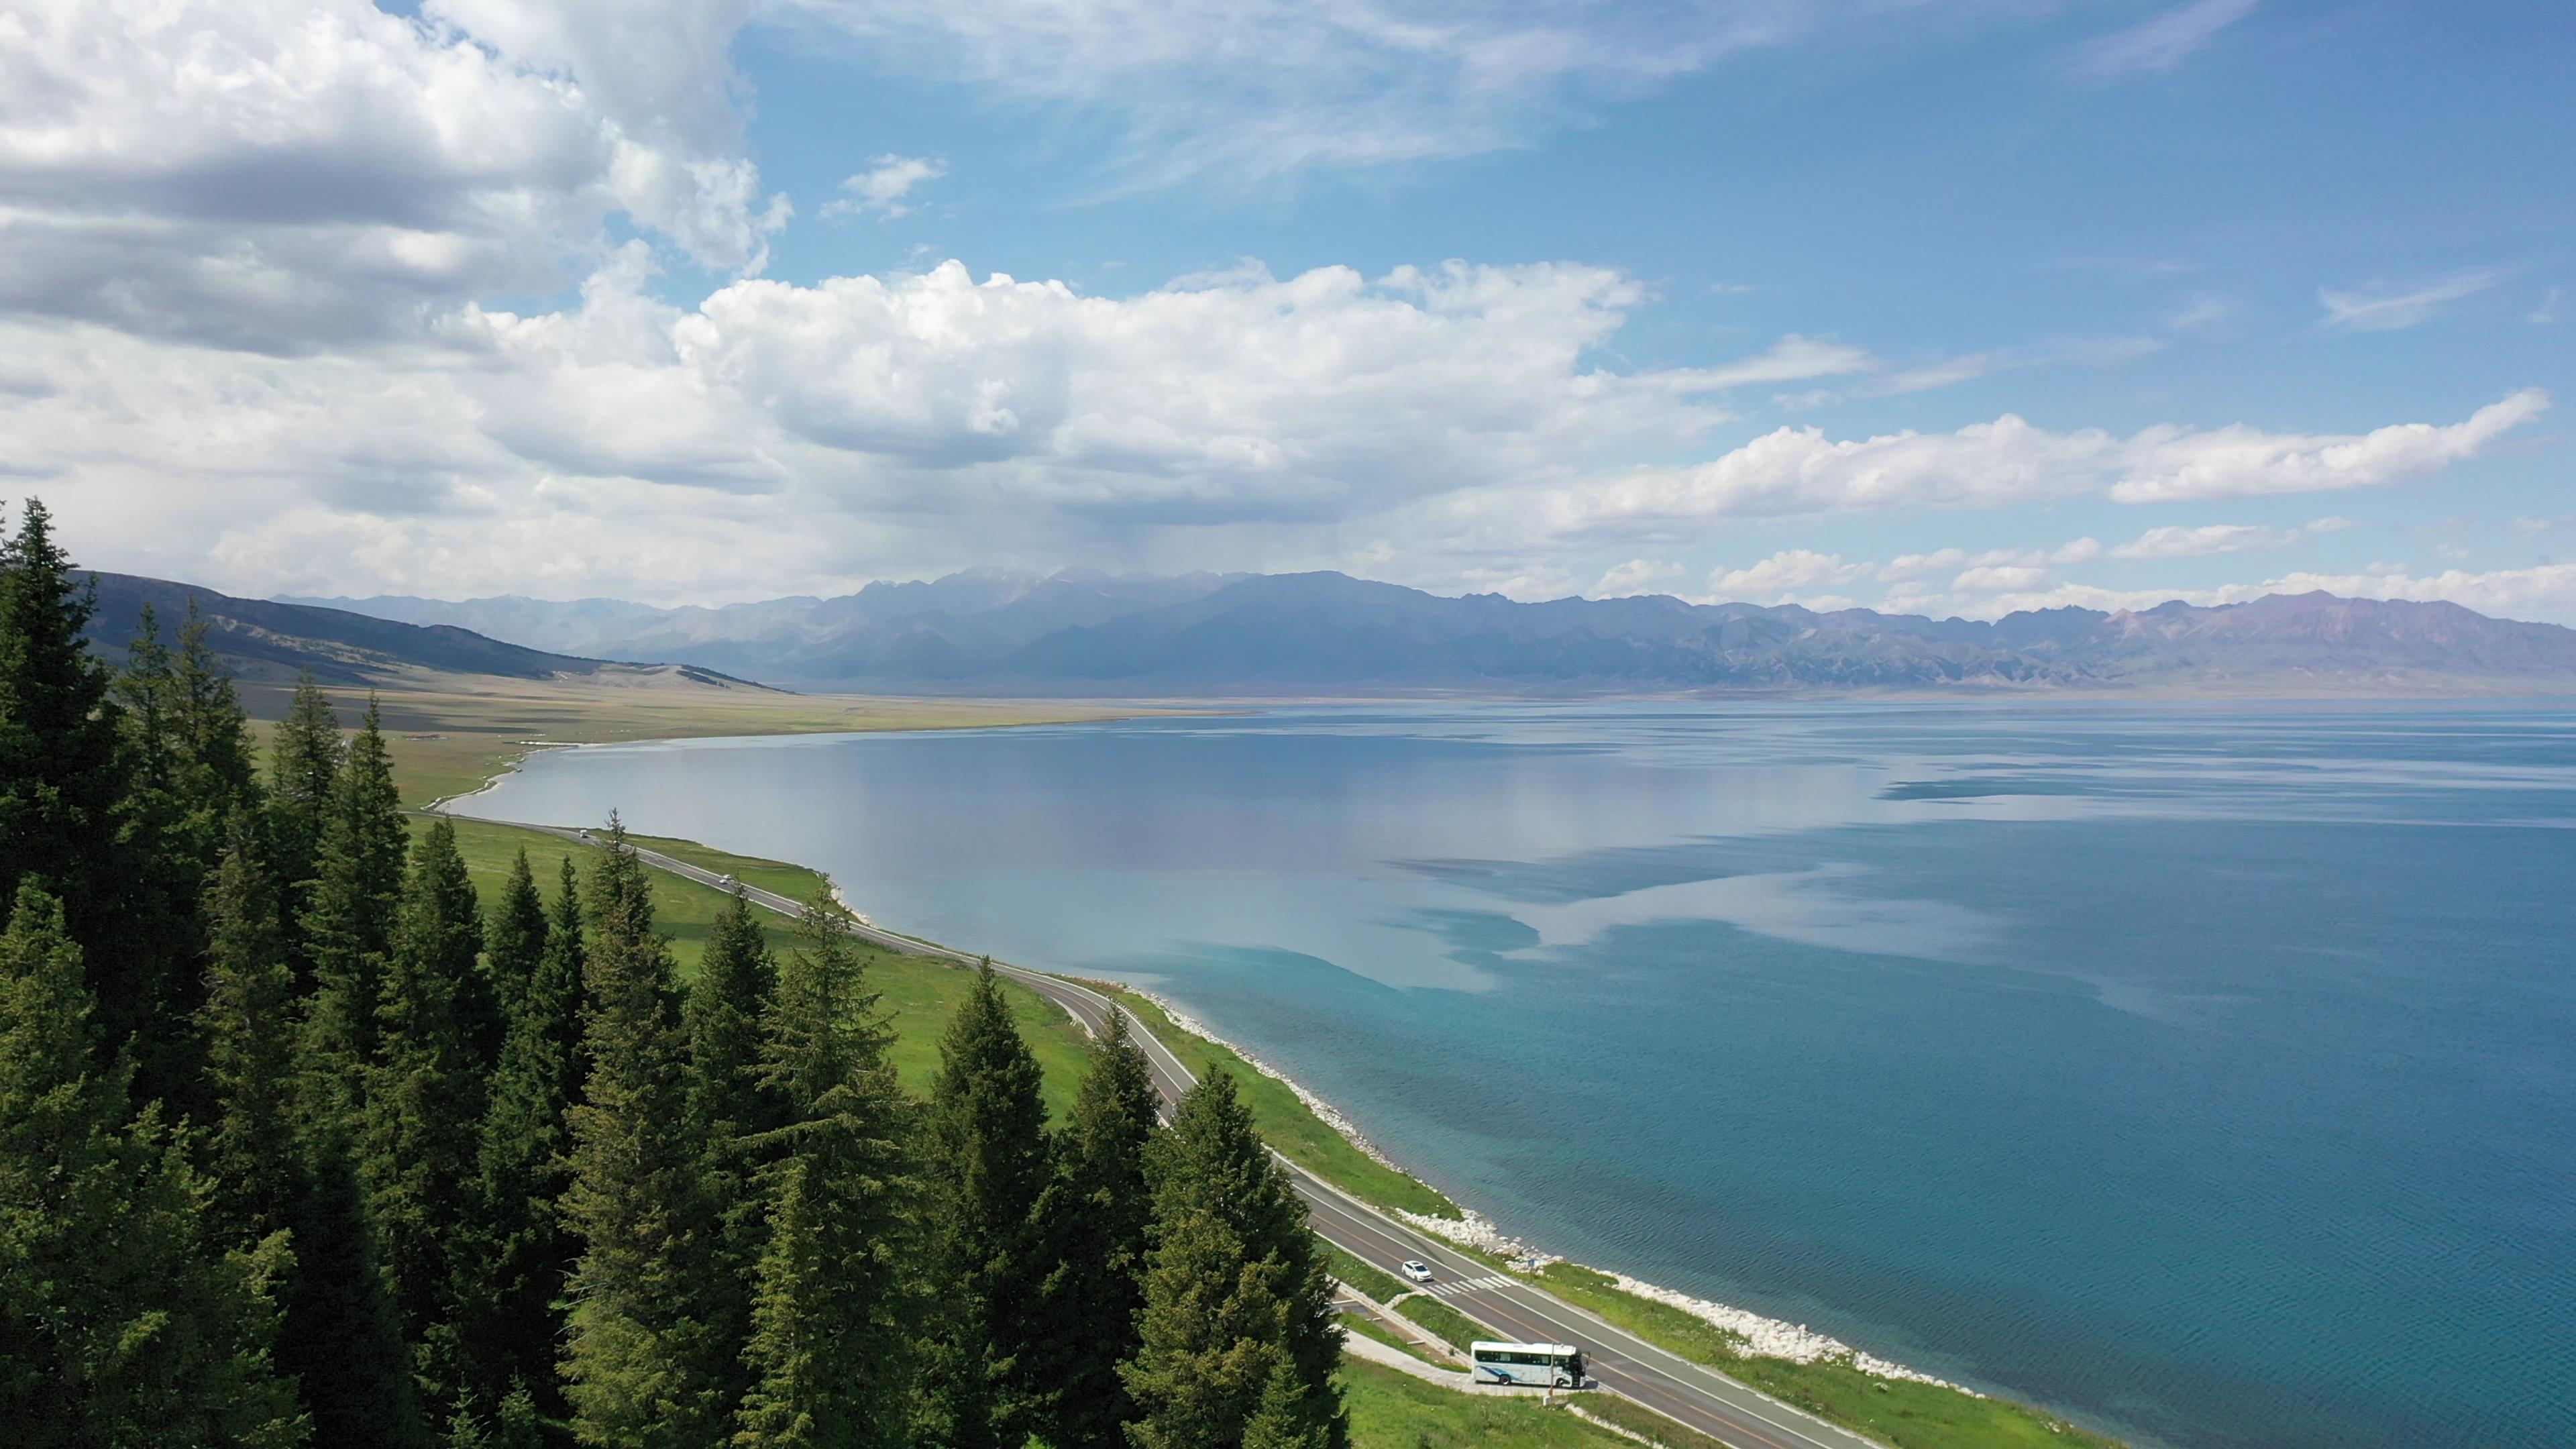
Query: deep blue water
{"x": 2208, "y": 1073}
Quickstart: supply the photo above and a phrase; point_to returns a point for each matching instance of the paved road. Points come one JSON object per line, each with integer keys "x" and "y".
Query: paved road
{"x": 1620, "y": 1361}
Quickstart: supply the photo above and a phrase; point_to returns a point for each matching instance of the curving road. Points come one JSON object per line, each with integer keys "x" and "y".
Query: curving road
{"x": 1620, "y": 1361}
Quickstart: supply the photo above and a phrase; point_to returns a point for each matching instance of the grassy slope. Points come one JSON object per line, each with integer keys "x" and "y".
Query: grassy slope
{"x": 1369, "y": 1325}
{"x": 1441, "y": 1321}
{"x": 920, "y": 995}
{"x": 1391, "y": 1410}
{"x": 1301, "y": 1136}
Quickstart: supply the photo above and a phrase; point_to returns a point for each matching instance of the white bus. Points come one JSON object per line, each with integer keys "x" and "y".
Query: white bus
{"x": 1536, "y": 1365}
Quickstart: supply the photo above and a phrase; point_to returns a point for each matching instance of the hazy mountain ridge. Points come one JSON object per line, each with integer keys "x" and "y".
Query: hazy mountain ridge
{"x": 1093, "y": 633}
{"x": 267, "y": 642}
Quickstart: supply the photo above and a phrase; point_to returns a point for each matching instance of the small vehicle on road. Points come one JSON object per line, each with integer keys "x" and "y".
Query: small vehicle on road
{"x": 728, "y": 881}
{"x": 1417, "y": 1270}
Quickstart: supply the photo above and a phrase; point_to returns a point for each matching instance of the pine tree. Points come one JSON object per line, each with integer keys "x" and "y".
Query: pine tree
{"x": 514, "y": 946}
{"x": 212, "y": 729}
{"x": 342, "y": 1341}
{"x": 304, "y": 769}
{"x": 64, "y": 771}
{"x": 251, "y": 1148}
{"x": 733, "y": 1110}
{"x": 988, "y": 1165}
{"x": 423, "y": 1118}
{"x": 1281, "y": 1420}
{"x": 170, "y": 846}
{"x": 1096, "y": 1216}
{"x": 511, "y": 1267}
{"x": 119, "y": 1322}
{"x": 1234, "y": 1281}
{"x": 638, "y": 1365}
{"x": 835, "y": 1314}
{"x": 357, "y": 891}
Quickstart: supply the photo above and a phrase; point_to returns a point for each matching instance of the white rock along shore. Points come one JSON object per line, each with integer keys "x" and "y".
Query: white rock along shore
{"x": 1767, "y": 1337}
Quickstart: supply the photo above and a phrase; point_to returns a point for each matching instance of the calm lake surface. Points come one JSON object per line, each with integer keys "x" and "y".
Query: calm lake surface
{"x": 2208, "y": 1073}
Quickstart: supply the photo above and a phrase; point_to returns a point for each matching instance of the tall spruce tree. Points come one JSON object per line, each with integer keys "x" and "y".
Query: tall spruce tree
{"x": 1234, "y": 1286}
{"x": 120, "y": 1323}
{"x": 639, "y": 1365}
{"x": 423, "y": 1119}
{"x": 356, "y": 895}
{"x": 511, "y": 1267}
{"x": 251, "y": 1145}
{"x": 733, "y": 1111}
{"x": 212, "y": 729}
{"x": 304, "y": 769}
{"x": 342, "y": 1341}
{"x": 836, "y": 1305}
{"x": 63, "y": 784}
{"x": 171, "y": 841}
{"x": 1096, "y": 1216}
{"x": 988, "y": 1165}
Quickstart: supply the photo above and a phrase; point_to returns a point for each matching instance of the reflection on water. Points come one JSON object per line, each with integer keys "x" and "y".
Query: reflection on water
{"x": 2202, "y": 1070}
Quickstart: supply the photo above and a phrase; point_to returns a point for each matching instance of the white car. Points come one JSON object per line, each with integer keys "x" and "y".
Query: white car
{"x": 1417, "y": 1270}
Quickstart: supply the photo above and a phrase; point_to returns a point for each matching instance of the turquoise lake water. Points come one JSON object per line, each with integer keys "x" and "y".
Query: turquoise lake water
{"x": 2207, "y": 1073}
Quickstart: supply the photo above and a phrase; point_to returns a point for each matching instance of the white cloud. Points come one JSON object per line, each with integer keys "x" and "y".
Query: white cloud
{"x": 1636, "y": 576}
{"x": 2217, "y": 538}
{"x": 286, "y": 174}
{"x": 2547, "y": 312}
{"x": 1777, "y": 579}
{"x": 2166, "y": 464}
{"x": 2381, "y": 307}
{"x": 1791, "y": 359}
{"x": 1916, "y": 565}
{"x": 828, "y": 431}
{"x": 2528, "y": 526}
{"x": 880, "y": 190}
{"x": 2161, "y": 42}
{"x": 1793, "y": 471}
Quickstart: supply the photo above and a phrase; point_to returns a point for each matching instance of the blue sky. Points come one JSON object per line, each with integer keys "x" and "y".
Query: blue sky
{"x": 1951, "y": 305}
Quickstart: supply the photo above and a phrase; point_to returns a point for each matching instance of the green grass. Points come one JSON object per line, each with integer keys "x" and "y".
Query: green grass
{"x": 1636, "y": 1418}
{"x": 920, "y": 994}
{"x": 1369, "y": 1325}
{"x": 1286, "y": 1123}
{"x": 1908, "y": 1415}
{"x": 1391, "y": 1410}
{"x": 1441, "y": 1321}
{"x": 1368, "y": 1280}
{"x": 796, "y": 882}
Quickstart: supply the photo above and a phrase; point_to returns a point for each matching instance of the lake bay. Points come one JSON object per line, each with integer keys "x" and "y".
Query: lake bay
{"x": 2207, "y": 1072}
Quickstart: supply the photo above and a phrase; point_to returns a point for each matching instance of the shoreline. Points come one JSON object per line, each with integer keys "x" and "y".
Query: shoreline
{"x": 1761, "y": 1336}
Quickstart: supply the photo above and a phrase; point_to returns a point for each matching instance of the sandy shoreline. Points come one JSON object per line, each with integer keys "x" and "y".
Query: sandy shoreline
{"x": 1762, "y": 1336}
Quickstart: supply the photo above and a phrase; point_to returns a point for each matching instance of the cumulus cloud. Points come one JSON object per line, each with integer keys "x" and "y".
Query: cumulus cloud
{"x": 1636, "y": 576}
{"x": 1794, "y": 471}
{"x": 2381, "y": 307}
{"x": 287, "y": 174}
{"x": 882, "y": 188}
{"x": 1779, "y": 578}
{"x": 2166, "y": 464}
{"x": 857, "y": 410}
{"x": 2160, "y": 42}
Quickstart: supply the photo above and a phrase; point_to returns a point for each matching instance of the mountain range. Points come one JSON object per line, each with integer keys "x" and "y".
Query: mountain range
{"x": 1087, "y": 633}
